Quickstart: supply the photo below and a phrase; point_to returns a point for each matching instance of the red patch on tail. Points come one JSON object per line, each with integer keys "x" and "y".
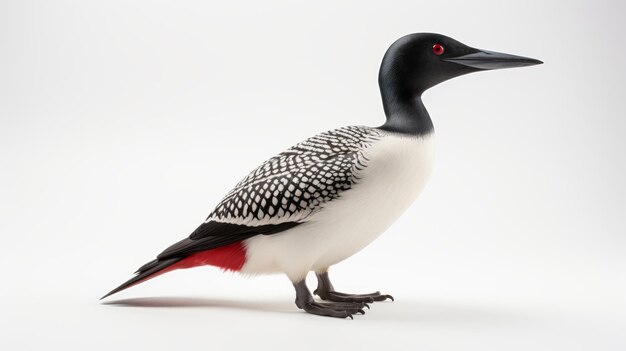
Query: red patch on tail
{"x": 230, "y": 258}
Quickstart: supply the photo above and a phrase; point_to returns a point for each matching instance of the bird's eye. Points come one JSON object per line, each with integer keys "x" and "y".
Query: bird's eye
{"x": 438, "y": 49}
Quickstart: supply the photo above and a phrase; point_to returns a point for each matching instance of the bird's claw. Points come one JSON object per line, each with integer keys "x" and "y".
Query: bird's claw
{"x": 362, "y": 298}
{"x": 335, "y": 309}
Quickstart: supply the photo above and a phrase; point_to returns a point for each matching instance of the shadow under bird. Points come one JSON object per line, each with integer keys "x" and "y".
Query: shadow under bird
{"x": 326, "y": 198}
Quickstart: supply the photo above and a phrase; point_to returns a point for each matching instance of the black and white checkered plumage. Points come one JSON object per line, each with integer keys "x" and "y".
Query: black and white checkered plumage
{"x": 296, "y": 183}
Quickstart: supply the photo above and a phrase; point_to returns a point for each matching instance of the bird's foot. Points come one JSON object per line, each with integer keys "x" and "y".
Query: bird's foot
{"x": 343, "y": 297}
{"x": 326, "y": 291}
{"x": 305, "y": 301}
{"x": 334, "y": 309}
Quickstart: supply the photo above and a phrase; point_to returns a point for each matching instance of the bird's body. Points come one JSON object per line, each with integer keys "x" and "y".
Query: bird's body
{"x": 394, "y": 170}
{"x": 326, "y": 198}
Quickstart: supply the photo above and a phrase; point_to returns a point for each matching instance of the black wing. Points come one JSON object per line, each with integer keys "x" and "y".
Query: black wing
{"x": 211, "y": 235}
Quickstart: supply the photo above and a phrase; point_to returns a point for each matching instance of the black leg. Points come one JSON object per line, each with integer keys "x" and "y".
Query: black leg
{"x": 305, "y": 301}
{"x": 326, "y": 291}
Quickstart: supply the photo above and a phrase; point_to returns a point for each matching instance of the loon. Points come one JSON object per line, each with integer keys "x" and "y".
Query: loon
{"x": 326, "y": 198}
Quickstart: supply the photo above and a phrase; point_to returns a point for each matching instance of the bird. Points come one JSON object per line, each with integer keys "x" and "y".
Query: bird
{"x": 329, "y": 196}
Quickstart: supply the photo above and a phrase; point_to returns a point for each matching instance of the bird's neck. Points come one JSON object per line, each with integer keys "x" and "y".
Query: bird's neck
{"x": 406, "y": 116}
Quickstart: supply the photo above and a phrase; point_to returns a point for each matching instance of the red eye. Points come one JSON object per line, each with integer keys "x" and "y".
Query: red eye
{"x": 438, "y": 49}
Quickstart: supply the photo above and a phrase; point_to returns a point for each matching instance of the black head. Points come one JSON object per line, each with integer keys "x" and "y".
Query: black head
{"x": 419, "y": 61}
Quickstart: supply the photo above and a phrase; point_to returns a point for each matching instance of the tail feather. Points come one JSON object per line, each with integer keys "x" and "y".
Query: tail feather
{"x": 147, "y": 271}
{"x": 147, "y": 266}
{"x": 229, "y": 257}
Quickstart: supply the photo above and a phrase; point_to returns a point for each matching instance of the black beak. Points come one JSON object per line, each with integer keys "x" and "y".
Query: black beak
{"x": 485, "y": 60}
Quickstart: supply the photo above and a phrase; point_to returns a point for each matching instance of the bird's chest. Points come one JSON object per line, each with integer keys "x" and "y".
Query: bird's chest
{"x": 397, "y": 169}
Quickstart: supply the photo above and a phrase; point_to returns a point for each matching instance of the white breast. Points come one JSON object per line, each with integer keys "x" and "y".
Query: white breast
{"x": 397, "y": 171}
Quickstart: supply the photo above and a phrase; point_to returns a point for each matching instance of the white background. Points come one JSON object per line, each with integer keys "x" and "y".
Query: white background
{"x": 124, "y": 122}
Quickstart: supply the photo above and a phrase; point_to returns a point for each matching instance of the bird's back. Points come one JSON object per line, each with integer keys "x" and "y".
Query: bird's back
{"x": 299, "y": 181}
